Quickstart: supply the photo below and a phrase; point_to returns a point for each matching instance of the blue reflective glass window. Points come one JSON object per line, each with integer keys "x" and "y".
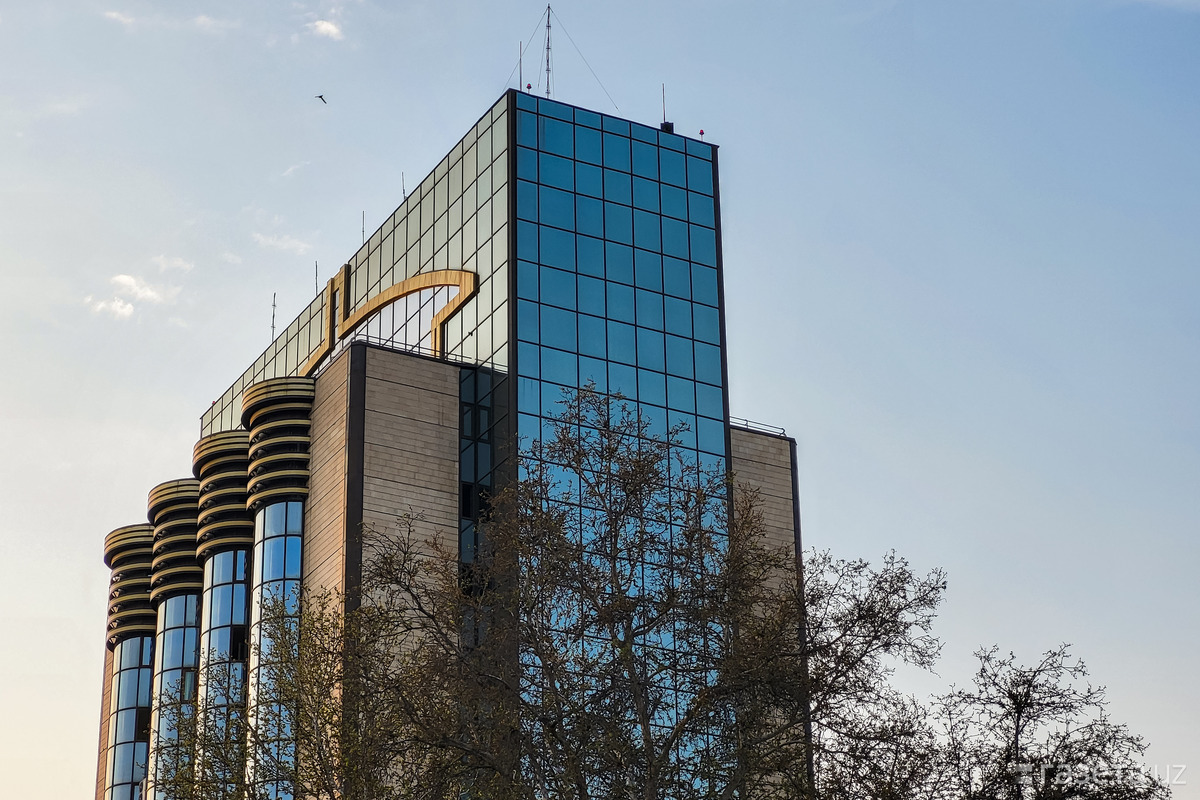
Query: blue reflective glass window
{"x": 589, "y": 215}
{"x": 295, "y": 517}
{"x": 704, "y": 284}
{"x": 556, "y": 171}
{"x": 145, "y": 686}
{"x": 589, "y": 180}
{"x": 700, "y": 149}
{"x": 558, "y": 248}
{"x": 558, "y": 287}
{"x": 558, "y": 328}
{"x": 526, "y": 129}
{"x": 616, "y": 125}
{"x": 648, "y": 269}
{"x": 649, "y": 307}
{"x": 671, "y": 168}
{"x": 273, "y": 558}
{"x": 527, "y": 280}
{"x": 528, "y": 396}
{"x": 622, "y": 379}
{"x": 221, "y": 608}
{"x": 560, "y": 367}
{"x": 681, "y": 394}
{"x": 700, "y": 210}
{"x": 674, "y": 238}
{"x": 239, "y": 604}
{"x": 700, "y": 175}
{"x": 587, "y": 145}
{"x": 679, "y": 356}
{"x": 275, "y": 519}
{"x": 556, "y": 137}
{"x": 621, "y": 343}
{"x": 620, "y": 302}
{"x": 645, "y": 230}
{"x": 650, "y": 352}
{"x": 172, "y": 612}
{"x": 674, "y": 202}
{"x": 704, "y": 244}
{"x": 618, "y": 223}
{"x": 618, "y": 262}
{"x": 127, "y": 689}
{"x": 123, "y": 763}
{"x": 616, "y": 152}
{"x": 645, "y": 160}
{"x": 191, "y": 606}
{"x": 708, "y": 363}
{"x": 652, "y": 387}
{"x": 291, "y": 567}
{"x": 590, "y": 259}
{"x": 126, "y": 726}
{"x": 591, "y": 297}
{"x": 527, "y": 101}
{"x": 645, "y": 194}
{"x": 589, "y": 118}
{"x": 130, "y": 656}
{"x": 527, "y": 360}
{"x": 555, "y": 109}
{"x": 678, "y": 317}
{"x": 655, "y": 418}
{"x": 593, "y": 370}
{"x": 556, "y": 207}
{"x": 708, "y": 324}
{"x": 172, "y": 654}
{"x": 527, "y": 321}
{"x": 671, "y": 141}
{"x": 644, "y": 133}
{"x": 239, "y": 563}
{"x": 527, "y": 241}
{"x": 592, "y": 336}
{"x": 616, "y": 187}
{"x": 684, "y": 426}
{"x": 527, "y": 163}
{"x": 677, "y": 278}
{"x": 710, "y": 435}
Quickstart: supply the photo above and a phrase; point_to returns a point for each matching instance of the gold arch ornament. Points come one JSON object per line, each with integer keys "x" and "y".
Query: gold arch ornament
{"x": 339, "y": 324}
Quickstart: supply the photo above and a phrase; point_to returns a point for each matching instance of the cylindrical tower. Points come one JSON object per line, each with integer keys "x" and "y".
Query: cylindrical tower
{"x": 276, "y": 413}
{"x": 127, "y": 552}
{"x": 175, "y": 584}
{"x": 223, "y": 542}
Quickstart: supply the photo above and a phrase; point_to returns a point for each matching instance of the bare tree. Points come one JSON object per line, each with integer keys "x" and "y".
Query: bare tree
{"x": 1040, "y": 733}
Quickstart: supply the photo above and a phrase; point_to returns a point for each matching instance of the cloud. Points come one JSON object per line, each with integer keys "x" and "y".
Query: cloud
{"x": 231, "y": 258}
{"x": 138, "y": 289}
{"x": 117, "y": 16}
{"x": 293, "y": 168}
{"x": 284, "y": 243}
{"x": 324, "y": 27}
{"x": 172, "y": 262}
{"x": 210, "y": 25}
{"x": 116, "y": 308}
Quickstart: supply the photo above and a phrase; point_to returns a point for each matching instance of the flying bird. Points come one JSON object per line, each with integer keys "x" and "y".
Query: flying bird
{"x": 321, "y": 97}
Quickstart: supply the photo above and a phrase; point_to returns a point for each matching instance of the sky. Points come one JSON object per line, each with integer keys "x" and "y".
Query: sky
{"x": 962, "y": 269}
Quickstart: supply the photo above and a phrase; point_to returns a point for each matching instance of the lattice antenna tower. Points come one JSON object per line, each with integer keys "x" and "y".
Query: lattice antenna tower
{"x": 547, "y": 51}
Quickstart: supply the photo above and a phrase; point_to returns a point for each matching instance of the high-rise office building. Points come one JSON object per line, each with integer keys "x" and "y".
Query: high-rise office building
{"x": 553, "y": 247}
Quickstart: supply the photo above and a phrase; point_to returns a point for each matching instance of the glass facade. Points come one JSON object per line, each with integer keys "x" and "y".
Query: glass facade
{"x": 176, "y": 659}
{"x": 129, "y": 718}
{"x": 224, "y": 644}
{"x": 458, "y": 218}
{"x": 618, "y": 272}
{"x": 275, "y": 591}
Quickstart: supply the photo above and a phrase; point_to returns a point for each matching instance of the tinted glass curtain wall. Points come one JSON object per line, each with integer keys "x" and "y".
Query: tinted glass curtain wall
{"x": 618, "y": 264}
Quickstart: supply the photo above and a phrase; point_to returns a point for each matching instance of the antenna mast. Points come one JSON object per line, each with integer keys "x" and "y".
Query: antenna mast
{"x": 272, "y": 316}
{"x": 547, "y": 51}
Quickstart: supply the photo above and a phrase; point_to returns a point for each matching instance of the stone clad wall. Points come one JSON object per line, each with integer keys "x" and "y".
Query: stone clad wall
{"x": 764, "y": 461}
